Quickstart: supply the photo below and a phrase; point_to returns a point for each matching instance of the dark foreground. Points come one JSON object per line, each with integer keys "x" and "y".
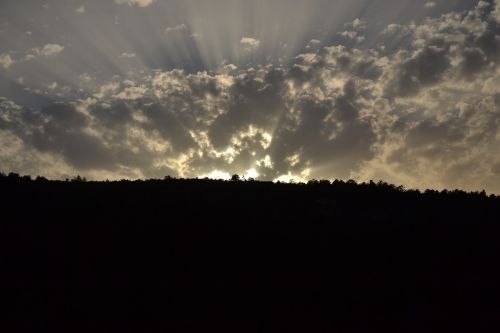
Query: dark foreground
{"x": 197, "y": 256}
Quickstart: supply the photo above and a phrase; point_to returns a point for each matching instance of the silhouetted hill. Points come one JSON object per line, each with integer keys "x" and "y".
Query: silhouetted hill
{"x": 198, "y": 255}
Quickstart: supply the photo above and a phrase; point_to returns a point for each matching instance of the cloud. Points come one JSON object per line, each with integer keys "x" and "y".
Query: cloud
{"x": 48, "y": 50}
{"x": 128, "y": 55}
{"x": 59, "y": 132}
{"x": 496, "y": 12}
{"x": 178, "y": 27}
{"x": 357, "y": 25}
{"x": 411, "y": 72}
{"x": 353, "y": 36}
{"x": 430, "y": 4}
{"x": 81, "y": 9}
{"x": 196, "y": 36}
{"x": 396, "y": 29}
{"x": 248, "y": 121}
{"x": 137, "y": 3}
{"x": 425, "y": 113}
{"x": 6, "y": 60}
{"x": 354, "y": 32}
{"x": 249, "y": 43}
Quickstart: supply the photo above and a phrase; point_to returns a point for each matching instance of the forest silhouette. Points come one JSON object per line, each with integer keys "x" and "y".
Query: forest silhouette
{"x": 191, "y": 255}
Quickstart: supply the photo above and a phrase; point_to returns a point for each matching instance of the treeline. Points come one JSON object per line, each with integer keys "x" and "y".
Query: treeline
{"x": 351, "y": 185}
{"x": 191, "y": 255}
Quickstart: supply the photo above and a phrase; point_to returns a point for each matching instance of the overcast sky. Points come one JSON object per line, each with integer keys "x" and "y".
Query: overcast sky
{"x": 405, "y": 91}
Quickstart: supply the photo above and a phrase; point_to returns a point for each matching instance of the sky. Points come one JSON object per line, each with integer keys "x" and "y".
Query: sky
{"x": 403, "y": 91}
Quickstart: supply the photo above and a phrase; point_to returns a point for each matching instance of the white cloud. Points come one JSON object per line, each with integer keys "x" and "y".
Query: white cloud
{"x": 313, "y": 44}
{"x": 354, "y": 32}
{"x": 249, "y": 43}
{"x": 396, "y": 29}
{"x": 132, "y": 93}
{"x": 128, "y": 55}
{"x": 105, "y": 90}
{"x": 49, "y": 50}
{"x": 353, "y": 35}
{"x": 430, "y": 4}
{"x": 6, "y": 60}
{"x": 81, "y": 9}
{"x": 178, "y": 27}
{"x": 196, "y": 36}
{"x": 357, "y": 25}
{"x": 137, "y": 3}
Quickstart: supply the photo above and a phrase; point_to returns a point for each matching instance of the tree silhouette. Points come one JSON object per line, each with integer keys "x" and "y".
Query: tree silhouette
{"x": 182, "y": 254}
{"x": 79, "y": 179}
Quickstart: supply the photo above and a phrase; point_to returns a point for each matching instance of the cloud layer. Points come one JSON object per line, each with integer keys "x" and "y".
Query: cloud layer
{"x": 419, "y": 107}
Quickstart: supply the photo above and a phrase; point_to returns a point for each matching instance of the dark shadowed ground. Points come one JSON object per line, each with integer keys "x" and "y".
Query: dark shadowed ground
{"x": 202, "y": 255}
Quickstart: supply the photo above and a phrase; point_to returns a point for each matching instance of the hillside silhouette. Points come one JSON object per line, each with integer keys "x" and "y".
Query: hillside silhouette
{"x": 194, "y": 255}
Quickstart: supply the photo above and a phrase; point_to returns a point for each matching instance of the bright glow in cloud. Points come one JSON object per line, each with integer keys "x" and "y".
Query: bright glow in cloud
{"x": 290, "y": 178}
{"x": 251, "y": 174}
{"x": 219, "y": 175}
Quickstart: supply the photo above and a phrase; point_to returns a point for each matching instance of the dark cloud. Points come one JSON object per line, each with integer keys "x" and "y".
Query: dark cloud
{"x": 169, "y": 125}
{"x": 425, "y": 67}
{"x": 256, "y": 98}
{"x": 474, "y": 60}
